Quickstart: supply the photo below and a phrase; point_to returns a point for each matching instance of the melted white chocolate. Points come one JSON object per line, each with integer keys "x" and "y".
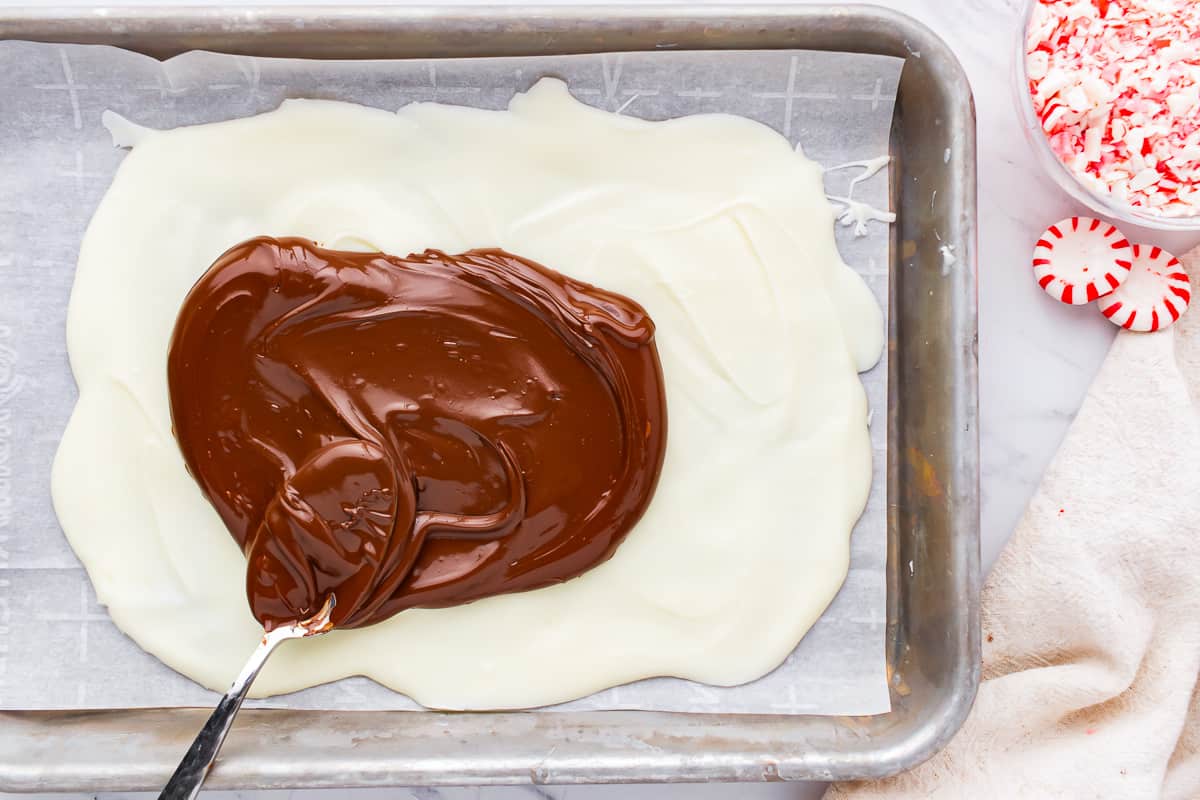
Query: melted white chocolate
{"x": 713, "y": 223}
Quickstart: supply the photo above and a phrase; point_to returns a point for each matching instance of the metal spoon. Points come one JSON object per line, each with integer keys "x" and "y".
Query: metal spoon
{"x": 193, "y": 769}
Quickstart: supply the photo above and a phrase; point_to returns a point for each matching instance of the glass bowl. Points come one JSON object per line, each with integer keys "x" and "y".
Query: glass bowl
{"x": 1106, "y": 206}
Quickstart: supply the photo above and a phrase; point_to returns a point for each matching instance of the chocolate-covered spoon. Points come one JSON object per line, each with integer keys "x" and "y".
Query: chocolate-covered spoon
{"x": 352, "y": 509}
{"x": 346, "y": 496}
{"x": 193, "y": 769}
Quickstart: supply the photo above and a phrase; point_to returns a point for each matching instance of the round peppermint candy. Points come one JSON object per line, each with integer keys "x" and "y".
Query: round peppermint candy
{"x": 1079, "y": 259}
{"x": 1155, "y": 295}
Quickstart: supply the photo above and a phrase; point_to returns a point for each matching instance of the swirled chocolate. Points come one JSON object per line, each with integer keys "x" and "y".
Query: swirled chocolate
{"x": 420, "y": 431}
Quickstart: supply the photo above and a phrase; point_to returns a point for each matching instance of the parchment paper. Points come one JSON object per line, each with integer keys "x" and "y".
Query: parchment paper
{"x": 58, "y": 648}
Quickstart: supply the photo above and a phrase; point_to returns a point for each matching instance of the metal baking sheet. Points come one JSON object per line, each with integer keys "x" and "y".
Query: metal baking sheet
{"x": 932, "y": 472}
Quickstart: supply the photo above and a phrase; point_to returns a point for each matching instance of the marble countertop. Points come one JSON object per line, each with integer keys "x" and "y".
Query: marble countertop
{"x": 1036, "y": 356}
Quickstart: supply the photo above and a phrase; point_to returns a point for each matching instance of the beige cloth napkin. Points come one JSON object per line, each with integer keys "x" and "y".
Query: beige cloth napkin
{"x": 1091, "y": 616}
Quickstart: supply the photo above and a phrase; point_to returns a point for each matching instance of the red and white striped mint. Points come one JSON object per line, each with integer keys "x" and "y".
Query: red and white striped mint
{"x": 1079, "y": 259}
{"x": 1156, "y": 294}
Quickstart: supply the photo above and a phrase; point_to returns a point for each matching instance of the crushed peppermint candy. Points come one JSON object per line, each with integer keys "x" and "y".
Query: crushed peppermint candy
{"x": 1116, "y": 86}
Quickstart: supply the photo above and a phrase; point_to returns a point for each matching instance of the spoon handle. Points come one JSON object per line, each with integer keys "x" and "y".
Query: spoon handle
{"x": 193, "y": 769}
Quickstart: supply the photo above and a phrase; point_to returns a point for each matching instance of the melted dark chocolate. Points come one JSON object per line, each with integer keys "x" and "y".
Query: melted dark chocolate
{"x": 420, "y": 431}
